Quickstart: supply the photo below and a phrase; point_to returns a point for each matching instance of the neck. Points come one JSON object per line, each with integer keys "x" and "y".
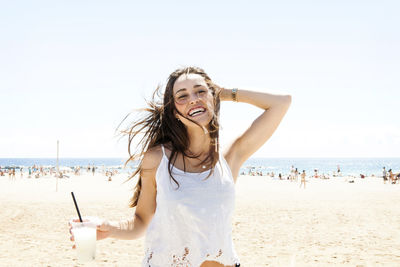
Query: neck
{"x": 199, "y": 141}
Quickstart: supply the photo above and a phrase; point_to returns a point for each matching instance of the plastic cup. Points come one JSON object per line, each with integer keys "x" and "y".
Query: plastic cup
{"x": 85, "y": 240}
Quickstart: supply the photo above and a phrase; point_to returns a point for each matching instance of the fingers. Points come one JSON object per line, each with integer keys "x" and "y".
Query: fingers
{"x": 72, "y": 240}
{"x": 77, "y": 220}
{"x": 70, "y": 232}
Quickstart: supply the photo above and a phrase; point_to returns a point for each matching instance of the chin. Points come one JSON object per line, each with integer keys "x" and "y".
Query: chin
{"x": 205, "y": 122}
{"x": 202, "y": 122}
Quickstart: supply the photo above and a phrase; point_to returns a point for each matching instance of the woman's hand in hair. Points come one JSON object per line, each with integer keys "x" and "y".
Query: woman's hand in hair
{"x": 223, "y": 93}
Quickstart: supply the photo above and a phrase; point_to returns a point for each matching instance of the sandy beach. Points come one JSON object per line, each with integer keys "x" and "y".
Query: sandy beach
{"x": 330, "y": 223}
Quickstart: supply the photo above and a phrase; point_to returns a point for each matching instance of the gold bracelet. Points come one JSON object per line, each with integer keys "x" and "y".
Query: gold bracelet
{"x": 234, "y": 94}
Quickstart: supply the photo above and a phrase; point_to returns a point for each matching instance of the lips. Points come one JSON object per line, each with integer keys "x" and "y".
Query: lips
{"x": 196, "y": 111}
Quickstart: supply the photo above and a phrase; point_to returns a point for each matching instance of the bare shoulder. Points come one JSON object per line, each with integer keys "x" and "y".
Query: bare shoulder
{"x": 152, "y": 158}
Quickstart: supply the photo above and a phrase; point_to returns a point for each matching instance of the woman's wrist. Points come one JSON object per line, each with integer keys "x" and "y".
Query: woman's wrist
{"x": 229, "y": 94}
{"x": 114, "y": 228}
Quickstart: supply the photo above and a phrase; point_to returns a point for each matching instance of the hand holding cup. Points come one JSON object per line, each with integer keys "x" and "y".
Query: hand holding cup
{"x": 102, "y": 228}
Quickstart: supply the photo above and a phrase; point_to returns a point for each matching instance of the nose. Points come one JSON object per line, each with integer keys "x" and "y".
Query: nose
{"x": 194, "y": 98}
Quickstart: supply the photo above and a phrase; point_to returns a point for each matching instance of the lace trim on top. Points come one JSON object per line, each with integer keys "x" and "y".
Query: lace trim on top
{"x": 183, "y": 261}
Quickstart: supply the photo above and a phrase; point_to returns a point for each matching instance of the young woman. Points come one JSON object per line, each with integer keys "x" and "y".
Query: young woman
{"x": 185, "y": 193}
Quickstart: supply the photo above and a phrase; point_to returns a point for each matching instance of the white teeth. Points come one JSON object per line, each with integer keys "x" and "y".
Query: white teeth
{"x": 196, "y": 111}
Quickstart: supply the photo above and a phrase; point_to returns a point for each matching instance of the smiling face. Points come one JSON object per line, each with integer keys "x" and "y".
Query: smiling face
{"x": 193, "y": 99}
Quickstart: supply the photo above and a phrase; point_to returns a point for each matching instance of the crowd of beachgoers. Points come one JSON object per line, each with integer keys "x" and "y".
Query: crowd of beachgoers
{"x": 36, "y": 171}
{"x": 294, "y": 174}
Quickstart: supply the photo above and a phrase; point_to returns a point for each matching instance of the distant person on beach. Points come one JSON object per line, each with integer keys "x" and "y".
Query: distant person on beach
{"x": 303, "y": 179}
{"x": 109, "y": 174}
{"x": 291, "y": 175}
{"x": 392, "y": 177}
{"x": 77, "y": 171}
{"x": 21, "y": 170}
{"x": 185, "y": 193}
{"x": 384, "y": 175}
{"x": 93, "y": 170}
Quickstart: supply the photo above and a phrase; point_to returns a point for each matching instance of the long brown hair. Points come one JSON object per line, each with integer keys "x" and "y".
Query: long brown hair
{"x": 159, "y": 125}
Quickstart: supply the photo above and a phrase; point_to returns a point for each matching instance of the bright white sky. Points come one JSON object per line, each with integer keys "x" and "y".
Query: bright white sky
{"x": 71, "y": 70}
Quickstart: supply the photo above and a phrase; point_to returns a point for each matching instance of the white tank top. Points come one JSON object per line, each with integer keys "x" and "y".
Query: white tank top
{"x": 192, "y": 223}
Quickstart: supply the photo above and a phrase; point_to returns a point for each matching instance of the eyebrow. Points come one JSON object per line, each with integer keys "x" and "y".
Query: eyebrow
{"x": 197, "y": 85}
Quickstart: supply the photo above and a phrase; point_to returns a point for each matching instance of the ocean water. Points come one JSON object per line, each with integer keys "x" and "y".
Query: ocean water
{"x": 348, "y": 166}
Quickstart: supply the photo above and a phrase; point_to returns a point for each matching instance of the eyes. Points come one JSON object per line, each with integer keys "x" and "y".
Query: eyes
{"x": 182, "y": 98}
{"x": 198, "y": 94}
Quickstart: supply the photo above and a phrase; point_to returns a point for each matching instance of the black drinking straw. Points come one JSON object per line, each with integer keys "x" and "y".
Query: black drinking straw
{"x": 76, "y": 206}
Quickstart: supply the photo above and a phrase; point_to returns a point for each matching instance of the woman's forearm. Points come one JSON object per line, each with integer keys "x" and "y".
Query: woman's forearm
{"x": 259, "y": 99}
{"x": 127, "y": 229}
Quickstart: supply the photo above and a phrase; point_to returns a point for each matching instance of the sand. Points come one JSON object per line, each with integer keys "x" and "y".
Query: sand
{"x": 330, "y": 223}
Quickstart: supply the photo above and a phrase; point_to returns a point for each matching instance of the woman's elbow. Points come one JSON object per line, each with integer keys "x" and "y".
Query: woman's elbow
{"x": 286, "y": 100}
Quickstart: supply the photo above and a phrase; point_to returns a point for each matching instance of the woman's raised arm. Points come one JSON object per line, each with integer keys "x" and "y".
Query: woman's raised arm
{"x": 275, "y": 107}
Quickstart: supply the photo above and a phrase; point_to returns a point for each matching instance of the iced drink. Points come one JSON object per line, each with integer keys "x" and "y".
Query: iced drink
{"x": 85, "y": 240}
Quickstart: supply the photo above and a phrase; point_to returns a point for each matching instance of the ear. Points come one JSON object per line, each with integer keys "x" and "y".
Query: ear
{"x": 176, "y": 115}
